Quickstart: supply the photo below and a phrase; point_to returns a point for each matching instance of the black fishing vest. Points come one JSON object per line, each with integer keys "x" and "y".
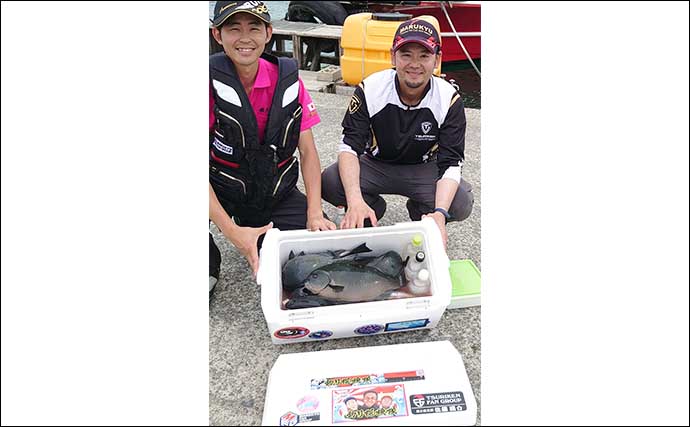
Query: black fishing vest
{"x": 250, "y": 178}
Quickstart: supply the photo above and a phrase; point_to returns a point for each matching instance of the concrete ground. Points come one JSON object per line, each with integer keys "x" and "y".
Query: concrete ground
{"x": 240, "y": 350}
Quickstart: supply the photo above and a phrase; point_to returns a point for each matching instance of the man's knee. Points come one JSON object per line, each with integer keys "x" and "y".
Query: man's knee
{"x": 331, "y": 187}
{"x": 461, "y": 208}
{"x": 414, "y": 210}
{"x": 379, "y": 207}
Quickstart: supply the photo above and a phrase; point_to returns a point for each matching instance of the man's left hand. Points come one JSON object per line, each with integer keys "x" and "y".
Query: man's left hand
{"x": 441, "y": 223}
{"x": 319, "y": 222}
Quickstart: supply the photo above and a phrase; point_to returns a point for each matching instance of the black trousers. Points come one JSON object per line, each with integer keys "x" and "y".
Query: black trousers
{"x": 417, "y": 182}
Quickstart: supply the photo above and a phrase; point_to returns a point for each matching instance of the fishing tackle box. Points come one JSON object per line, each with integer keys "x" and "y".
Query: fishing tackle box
{"x": 354, "y": 319}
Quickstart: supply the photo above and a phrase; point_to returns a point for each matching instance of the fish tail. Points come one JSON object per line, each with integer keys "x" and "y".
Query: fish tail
{"x": 358, "y": 250}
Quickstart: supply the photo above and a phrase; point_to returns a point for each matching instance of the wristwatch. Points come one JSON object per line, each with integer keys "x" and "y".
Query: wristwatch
{"x": 444, "y": 212}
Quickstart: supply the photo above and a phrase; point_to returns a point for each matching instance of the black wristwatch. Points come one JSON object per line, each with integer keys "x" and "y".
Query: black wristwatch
{"x": 444, "y": 212}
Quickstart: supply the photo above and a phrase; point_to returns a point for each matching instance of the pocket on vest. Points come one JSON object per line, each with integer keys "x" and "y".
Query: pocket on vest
{"x": 229, "y": 185}
{"x": 229, "y": 141}
{"x": 286, "y": 178}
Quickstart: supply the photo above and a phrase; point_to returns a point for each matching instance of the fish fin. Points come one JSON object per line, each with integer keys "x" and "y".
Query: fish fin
{"x": 307, "y": 302}
{"x": 384, "y": 296}
{"x": 292, "y": 255}
{"x": 394, "y": 294}
{"x": 388, "y": 264}
{"x": 301, "y": 292}
{"x": 359, "y": 249}
{"x": 361, "y": 260}
{"x": 337, "y": 288}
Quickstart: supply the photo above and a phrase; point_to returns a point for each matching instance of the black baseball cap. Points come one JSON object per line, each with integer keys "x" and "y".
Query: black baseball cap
{"x": 225, "y": 9}
{"x": 417, "y": 31}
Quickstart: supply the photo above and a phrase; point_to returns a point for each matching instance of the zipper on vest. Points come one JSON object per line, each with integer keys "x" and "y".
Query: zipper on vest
{"x": 238, "y": 124}
{"x": 283, "y": 174}
{"x": 244, "y": 189}
{"x": 275, "y": 158}
{"x": 297, "y": 112}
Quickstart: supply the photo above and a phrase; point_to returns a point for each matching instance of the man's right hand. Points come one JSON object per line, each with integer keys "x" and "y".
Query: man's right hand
{"x": 356, "y": 214}
{"x": 245, "y": 239}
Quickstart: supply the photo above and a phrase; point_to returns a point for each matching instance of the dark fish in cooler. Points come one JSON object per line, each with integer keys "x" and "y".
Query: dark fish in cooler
{"x": 298, "y": 267}
{"x": 344, "y": 282}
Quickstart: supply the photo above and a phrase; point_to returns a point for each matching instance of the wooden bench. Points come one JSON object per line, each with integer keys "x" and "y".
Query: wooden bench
{"x": 312, "y": 34}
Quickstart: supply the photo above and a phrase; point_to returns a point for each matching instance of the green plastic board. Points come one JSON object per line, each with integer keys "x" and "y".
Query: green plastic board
{"x": 465, "y": 277}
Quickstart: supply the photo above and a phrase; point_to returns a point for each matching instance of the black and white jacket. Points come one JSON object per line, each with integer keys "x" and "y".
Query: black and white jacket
{"x": 379, "y": 124}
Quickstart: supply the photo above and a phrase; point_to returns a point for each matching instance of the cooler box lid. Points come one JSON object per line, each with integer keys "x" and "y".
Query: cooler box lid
{"x": 404, "y": 384}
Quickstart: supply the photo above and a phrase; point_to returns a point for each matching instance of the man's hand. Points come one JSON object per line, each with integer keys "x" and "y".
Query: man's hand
{"x": 319, "y": 222}
{"x": 245, "y": 239}
{"x": 356, "y": 214}
{"x": 441, "y": 223}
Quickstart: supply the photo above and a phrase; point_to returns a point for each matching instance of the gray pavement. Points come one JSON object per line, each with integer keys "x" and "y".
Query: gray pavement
{"x": 240, "y": 350}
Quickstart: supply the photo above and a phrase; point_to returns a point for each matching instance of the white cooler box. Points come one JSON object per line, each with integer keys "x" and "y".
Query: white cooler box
{"x": 347, "y": 320}
{"x": 403, "y": 384}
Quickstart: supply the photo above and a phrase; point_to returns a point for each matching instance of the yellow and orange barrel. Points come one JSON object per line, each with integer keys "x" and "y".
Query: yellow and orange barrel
{"x": 366, "y": 42}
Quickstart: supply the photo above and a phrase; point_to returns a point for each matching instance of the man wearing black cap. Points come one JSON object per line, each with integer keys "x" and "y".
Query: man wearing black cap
{"x": 403, "y": 133}
{"x": 260, "y": 114}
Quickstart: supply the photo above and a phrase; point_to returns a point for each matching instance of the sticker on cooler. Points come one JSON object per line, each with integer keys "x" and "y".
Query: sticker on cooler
{"x": 407, "y": 324}
{"x": 434, "y": 403}
{"x": 289, "y": 419}
{"x": 308, "y": 404}
{"x": 291, "y": 332}
{"x": 320, "y": 334}
{"x": 369, "y": 329}
{"x": 312, "y": 416}
{"x": 363, "y": 403}
{"x": 368, "y": 379}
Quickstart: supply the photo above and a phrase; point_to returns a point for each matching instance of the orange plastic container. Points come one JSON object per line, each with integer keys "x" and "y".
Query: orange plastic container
{"x": 366, "y": 42}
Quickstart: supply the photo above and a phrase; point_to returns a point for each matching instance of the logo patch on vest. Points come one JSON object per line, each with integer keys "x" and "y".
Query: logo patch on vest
{"x": 426, "y": 127}
{"x": 222, "y": 147}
